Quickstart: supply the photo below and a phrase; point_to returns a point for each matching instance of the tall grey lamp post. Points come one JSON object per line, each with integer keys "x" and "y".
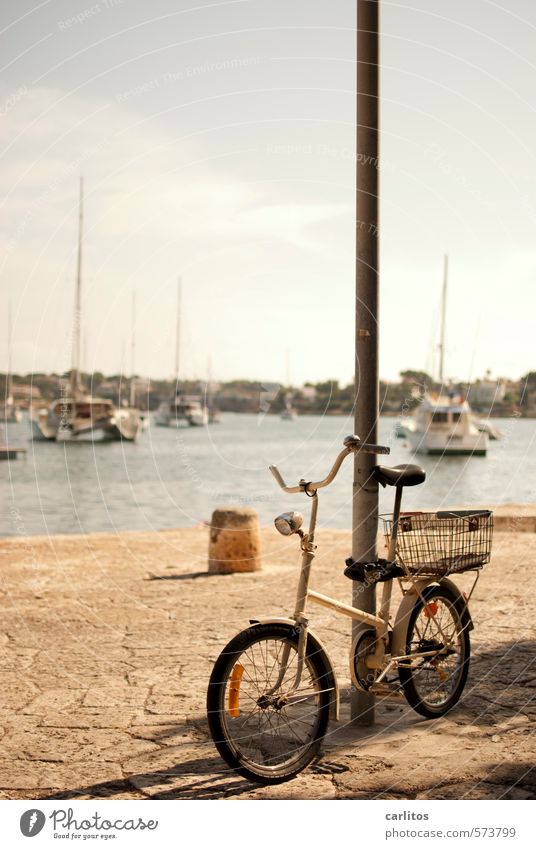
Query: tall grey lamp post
{"x": 365, "y": 489}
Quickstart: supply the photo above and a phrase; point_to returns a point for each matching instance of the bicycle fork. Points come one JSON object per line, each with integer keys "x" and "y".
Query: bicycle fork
{"x": 308, "y": 549}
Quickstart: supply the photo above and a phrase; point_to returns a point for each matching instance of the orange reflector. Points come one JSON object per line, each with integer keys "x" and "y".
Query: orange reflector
{"x": 234, "y": 689}
{"x": 430, "y": 609}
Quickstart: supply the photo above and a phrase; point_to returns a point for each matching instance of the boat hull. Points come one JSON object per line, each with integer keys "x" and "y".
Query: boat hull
{"x": 163, "y": 421}
{"x": 41, "y": 432}
{"x": 455, "y": 452}
{"x": 441, "y": 446}
{"x": 186, "y": 411}
{"x": 124, "y": 426}
{"x": 97, "y": 434}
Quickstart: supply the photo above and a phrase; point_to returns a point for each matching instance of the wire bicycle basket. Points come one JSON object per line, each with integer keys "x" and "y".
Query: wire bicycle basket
{"x": 442, "y": 543}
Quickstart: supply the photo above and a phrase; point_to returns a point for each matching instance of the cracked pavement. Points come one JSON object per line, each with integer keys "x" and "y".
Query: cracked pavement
{"x": 107, "y": 642}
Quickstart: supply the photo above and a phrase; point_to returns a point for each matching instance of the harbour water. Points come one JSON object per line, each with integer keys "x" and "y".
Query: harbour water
{"x": 175, "y": 478}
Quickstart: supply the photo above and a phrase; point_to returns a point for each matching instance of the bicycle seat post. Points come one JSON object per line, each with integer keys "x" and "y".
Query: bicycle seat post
{"x": 396, "y": 516}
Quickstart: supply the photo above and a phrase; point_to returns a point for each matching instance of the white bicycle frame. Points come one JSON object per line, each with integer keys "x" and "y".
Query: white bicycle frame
{"x": 380, "y": 621}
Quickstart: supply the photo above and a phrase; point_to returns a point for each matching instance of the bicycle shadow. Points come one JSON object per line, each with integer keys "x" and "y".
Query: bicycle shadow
{"x": 200, "y": 778}
{"x": 186, "y": 576}
{"x": 485, "y": 707}
{"x": 502, "y": 681}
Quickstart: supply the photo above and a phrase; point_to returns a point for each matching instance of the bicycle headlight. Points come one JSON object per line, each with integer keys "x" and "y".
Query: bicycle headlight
{"x": 288, "y": 523}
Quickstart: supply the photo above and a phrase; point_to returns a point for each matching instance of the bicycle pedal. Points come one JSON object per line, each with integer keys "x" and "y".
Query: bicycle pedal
{"x": 372, "y": 573}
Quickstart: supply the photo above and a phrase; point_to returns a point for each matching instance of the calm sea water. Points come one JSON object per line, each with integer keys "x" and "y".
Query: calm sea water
{"x": 175, "y": 478}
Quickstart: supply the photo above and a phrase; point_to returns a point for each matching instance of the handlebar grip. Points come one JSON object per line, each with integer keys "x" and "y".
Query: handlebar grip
{"x": 277, "y": 475}
{"x": 368, "y": 448}
{"x": 354, "y": 444}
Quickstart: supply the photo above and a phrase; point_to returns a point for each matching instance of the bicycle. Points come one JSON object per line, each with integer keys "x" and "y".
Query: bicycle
{"x": 273, "y": 688}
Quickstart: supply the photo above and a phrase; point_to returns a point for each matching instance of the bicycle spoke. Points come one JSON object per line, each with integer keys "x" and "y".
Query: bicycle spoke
{"x": 268, "y": 728}
{"x": 436, "y": 675}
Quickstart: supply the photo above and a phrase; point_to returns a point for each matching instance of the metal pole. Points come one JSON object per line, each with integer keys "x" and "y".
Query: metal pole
{"x": 365, "y": 492}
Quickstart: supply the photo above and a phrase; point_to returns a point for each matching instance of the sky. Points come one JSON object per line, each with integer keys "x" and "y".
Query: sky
{"x": 216, "y": 141}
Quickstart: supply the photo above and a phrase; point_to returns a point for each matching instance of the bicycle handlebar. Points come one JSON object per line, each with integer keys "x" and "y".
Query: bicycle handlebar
{"x": 352, "y": 445}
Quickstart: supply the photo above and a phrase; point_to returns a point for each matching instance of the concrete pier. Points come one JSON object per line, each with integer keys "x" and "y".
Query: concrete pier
{"x": 107, "y": 643}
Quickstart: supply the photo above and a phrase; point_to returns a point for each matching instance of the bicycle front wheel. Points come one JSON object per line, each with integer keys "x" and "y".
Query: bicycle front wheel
{"x": 262, "y": 727}
{"x": 437, "y": 643}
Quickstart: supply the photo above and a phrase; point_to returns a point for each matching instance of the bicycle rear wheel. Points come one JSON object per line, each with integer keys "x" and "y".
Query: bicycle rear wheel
{"x": 261, "y": 728}
{"x": 438, "y": 644}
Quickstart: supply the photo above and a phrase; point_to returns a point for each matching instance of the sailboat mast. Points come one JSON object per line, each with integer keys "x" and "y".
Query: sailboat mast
{"x": 443, "y": 320}
{"x": 178, "y": 334}
{"x": 133, "y": 352}
{"x": 208, "y": 392}
{"x": 75, "y": 380}
{"x": 9, "y": 354}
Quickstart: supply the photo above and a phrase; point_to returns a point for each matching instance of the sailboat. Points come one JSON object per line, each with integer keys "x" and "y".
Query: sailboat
{"x": 78, "y": 416}
{"x": 143, "y": 414}
{"x": 289, "y": 413}
{"x": 181, "y": 410}
{"x": 214, "y": 415}
{"x": 9, "y": 412}
{"x": 444, "y": 424}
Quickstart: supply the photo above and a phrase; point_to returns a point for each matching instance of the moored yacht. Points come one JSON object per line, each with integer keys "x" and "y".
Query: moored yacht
{"x": 182, "y": 411}
{"x": 445, "y": 426}
{"x": 77, "y": 416}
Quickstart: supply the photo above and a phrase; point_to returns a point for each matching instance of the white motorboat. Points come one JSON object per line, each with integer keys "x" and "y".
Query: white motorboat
{"x": 182, "y": 411}
{"x": 445, "y": 427}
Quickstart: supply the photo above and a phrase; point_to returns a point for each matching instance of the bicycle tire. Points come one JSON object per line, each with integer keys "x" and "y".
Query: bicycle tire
{"x": 238, "y": 741}
{"x": 445, "y": 683}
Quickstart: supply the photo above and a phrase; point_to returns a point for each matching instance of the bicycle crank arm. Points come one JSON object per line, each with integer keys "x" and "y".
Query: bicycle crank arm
{"x": 384, "y": 690}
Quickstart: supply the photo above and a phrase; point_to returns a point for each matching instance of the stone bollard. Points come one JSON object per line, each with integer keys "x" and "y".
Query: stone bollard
{"x": 235, "y": 543}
